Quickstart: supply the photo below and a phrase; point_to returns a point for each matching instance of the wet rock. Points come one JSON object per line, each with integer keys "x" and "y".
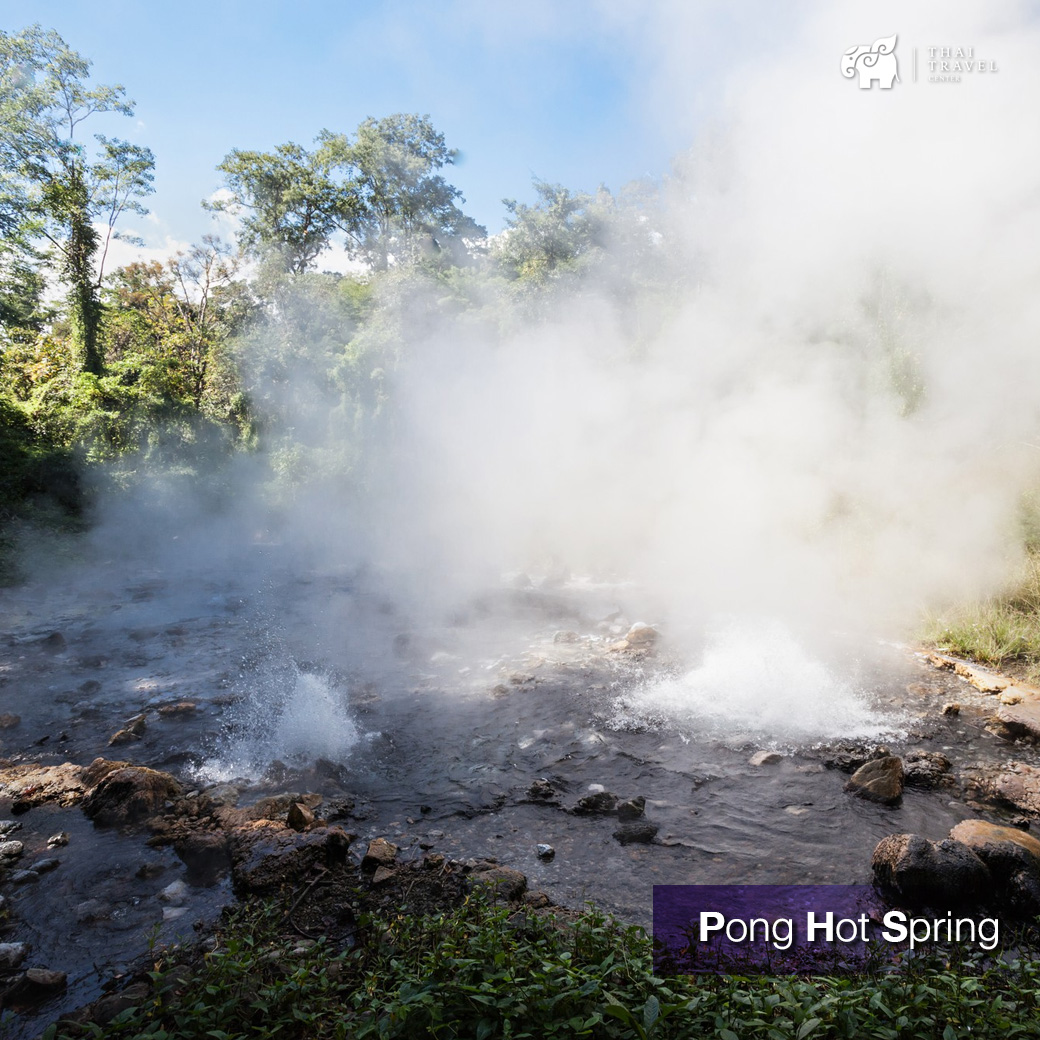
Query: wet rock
{"x": 920, "y": 872}
{"x": 636, "y": 832}
{"x": 1017, "y": 722}
{"x": 8, "y": 721}
{"x": 12, "y": 954}
{"x": 32, "y": 784}
{"x": 7, "y": 826}
{"x": 129, "y": 795}
{"x": 506, "y": 883}
{"x": 179, "y": 710}
{"x": 765, "y": 758}
{"x": 299, "y": 817}
{"x": 977, "y": 834}
{"x": 265, "y": 855}
{"x": 34, "y": 986}
{"x": 53, "y": 644}
{"x": 1020, "y": 787}
{"x": 56, "y": 841}
{"x": 11, "y": 850}
{"x": 951, "y": 708}
{"x": 175, "y": 893}
{"x": 926, "y": 769}
{"x": 536, "y": 900}
{"x": 108, "y": 1007}
{"x": 848, "y": 757}
{"x": 1013, "y": 859}
{"x": 880, "y": 780}
{"x": 599, "y": 803}
{"x": 174, "y": 913}
{"x": 23, "y": 877}
{"x": 380, "y": 853}
{"x": 123, "y": 736}
{"x": 205, "y": 854}
{"x": 546, "y": 852}
{"x": 223, "y": 794}
{"x": 543, "y": 791}
{"x": 631, "y": 809}
{"x": 641, "y": 635}
{"x": 566, "y": 637}
{"x": 45, "y": 866}
{"x": 1011, "y": 696}
{"x": 90, "y": 910}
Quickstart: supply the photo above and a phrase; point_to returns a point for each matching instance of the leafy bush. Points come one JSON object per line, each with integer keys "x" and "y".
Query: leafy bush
{"x": 486, "y": 972}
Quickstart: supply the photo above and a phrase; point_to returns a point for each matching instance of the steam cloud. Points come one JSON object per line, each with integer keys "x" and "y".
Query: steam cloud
{"x": 831, "y": 423}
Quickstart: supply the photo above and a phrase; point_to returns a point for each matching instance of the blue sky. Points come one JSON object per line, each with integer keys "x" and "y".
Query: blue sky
{"x": 522, "y": 89}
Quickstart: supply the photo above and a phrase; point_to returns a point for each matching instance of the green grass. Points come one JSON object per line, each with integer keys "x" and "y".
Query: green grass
{"x": 483, "y": 973}
{"x": 999, "y": 631}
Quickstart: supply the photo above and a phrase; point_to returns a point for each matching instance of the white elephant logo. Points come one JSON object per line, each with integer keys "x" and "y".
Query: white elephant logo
{"x": 876, "y": 62}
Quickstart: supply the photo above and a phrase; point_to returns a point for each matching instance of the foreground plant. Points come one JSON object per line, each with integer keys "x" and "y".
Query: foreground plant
{"x": 483, "y": 972}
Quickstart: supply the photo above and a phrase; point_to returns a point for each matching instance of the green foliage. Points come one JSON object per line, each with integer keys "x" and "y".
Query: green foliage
{"x": 382, "y": 191}
{"x": 1001, "y": 630}
{"x": 488, "y": 972}
{"x": 56, "y": 188}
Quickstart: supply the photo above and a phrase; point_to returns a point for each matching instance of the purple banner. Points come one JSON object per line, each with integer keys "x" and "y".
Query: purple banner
{"x": 795, "y": 929}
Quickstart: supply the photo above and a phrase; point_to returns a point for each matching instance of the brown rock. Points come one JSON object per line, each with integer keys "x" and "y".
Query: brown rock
{"x": 34, "y": 986}
{"x": 1017, "y": 721}
{"x": 1020, "y": 787}
{"x": 927, "y": 873}
{"x": 765, "y": 758}
{"x": 178, "y": 710}
{"x": 206, "y": 855}
{"x": 631, "y": 809}
{"x": 880, "y": 780}
{"x": 641, "y": 635}
{"x": 123, "y": 736}
{"x": 299, "y": 817}
{"x": 602, "y": 803}
{"x": 30, "y": 784}
{"x": 266, "y": 855}
{"x": 380, "y": 853}
{"x": 925, "y": 769}
{"x": 8, "y": 721}
{"x": 977, "y": 834}
{"x": 129, "y": 795}
{"x": 636, "y": 832}
{"x": 507, "y": 884}
{"x": 1013, "y": 859}
{"x": 382, "y": 874}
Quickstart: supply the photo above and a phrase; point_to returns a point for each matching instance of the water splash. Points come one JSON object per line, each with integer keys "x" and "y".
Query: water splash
{"x": 754, "y": 679}
{"x": 291, "y": 716}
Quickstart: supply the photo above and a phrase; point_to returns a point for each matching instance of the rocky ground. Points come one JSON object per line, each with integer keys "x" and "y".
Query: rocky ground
{"x": 108, "y": 825}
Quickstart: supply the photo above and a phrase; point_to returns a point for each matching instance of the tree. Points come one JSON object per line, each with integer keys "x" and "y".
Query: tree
{"x": 58, "y": 188}
{"x": 405, "y": 208}
{"x": 177, "y": 313}
{"x": 290, "y": 202}
{"x": 540, "y": 239}
{"x": 382, "y": 191}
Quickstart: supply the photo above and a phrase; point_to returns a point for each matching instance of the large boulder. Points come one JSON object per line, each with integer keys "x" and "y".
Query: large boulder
{"x": 1013, "y": 860}
{"x": 880, "y": 780}
{"x": 130, "y": 794}
{"x": 919, "y": 872}
{"x": 266, "y": 855}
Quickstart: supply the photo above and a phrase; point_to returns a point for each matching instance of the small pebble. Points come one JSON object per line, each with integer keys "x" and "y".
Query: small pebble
{"x": 11, "y": 849}
{"x": 175, "y": 893}
{"x": 545, "y": 852}
{"x": 57, "y": 840}
{"x": 42, "y": 866}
